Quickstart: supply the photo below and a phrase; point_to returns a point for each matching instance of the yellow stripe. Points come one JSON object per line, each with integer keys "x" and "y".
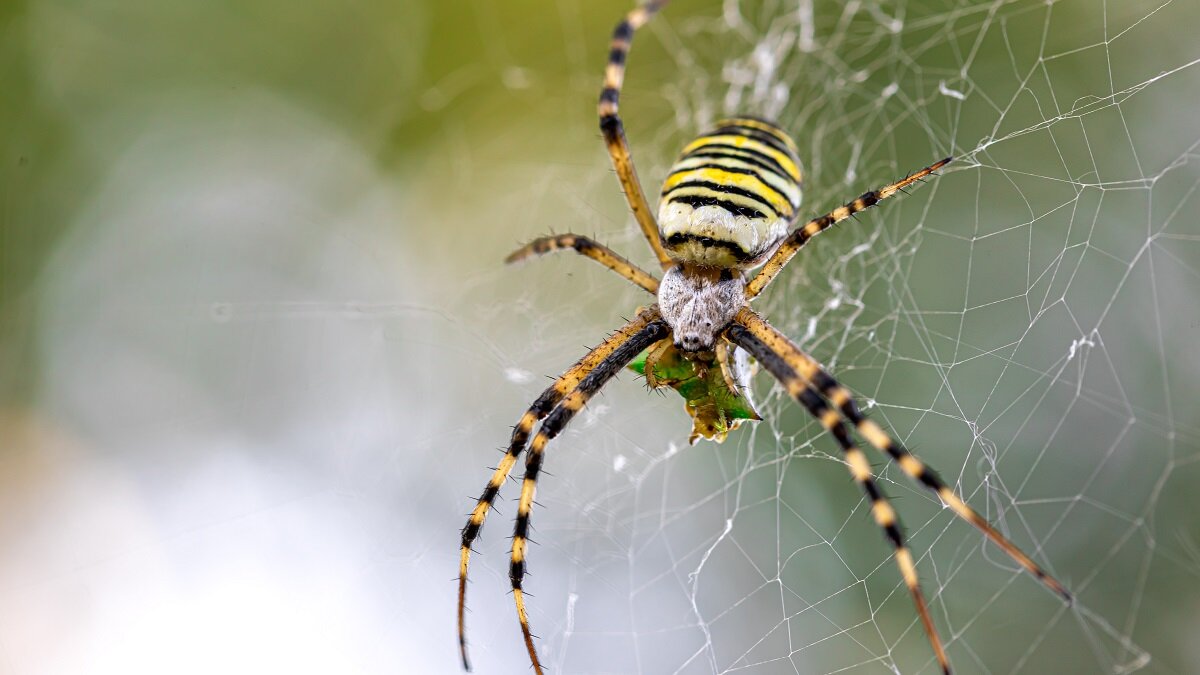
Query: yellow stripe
{"x": 907, "y": 568}
{"x": 911, "y": 466}
{"x": 860, "y": 468}
{"x": 750, "y": 144}
{"x": 874, "y": 435}
{"x": 885, "y": 515}
{"x": 518, "y": 549}
{"x": 959, "y": 506}
{"x": 527, "y": 491}
{"x": 839, "y": 397}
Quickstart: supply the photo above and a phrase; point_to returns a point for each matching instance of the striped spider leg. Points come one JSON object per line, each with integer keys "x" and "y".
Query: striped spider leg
{"x": 622, "y": 354}
{"x": 800, "y": 236}
{"x": 543, "y": 406}
{"x": 614, "y": 130}
{"x": 588, "y": 248}
{"x": 812, "y": 387}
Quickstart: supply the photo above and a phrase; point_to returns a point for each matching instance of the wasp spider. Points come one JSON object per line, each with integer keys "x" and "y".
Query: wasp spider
{"x": 727, "y": 207}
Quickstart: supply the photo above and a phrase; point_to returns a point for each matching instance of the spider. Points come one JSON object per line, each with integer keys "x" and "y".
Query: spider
{"x": 727, "y": 208}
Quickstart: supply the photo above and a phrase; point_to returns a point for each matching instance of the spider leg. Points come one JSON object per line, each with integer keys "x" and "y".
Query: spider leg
{"x": 723, "y": 356}
{"x": 918, "y": 471}
{"x": 544, "y": 404}
{"x": 800, "y": 236}
{"x": 614, "y": 130}
{"x": 618, "y": 358}
{"x": 808, "y": 369}
{"x": 885, "y": 516}
{"x": 591, "y": 249}
{"x": 652, "y": 360}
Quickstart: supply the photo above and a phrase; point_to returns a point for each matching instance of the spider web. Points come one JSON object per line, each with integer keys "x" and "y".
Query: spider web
{"x": 270, "y": 348}
{"x": 1017, "y": 321}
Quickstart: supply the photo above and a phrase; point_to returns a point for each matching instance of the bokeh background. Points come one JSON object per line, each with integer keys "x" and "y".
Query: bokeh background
{"x": 258, "y": 349}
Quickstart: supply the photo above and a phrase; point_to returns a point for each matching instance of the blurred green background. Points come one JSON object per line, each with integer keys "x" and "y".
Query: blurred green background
{"x": 258, "y": 349}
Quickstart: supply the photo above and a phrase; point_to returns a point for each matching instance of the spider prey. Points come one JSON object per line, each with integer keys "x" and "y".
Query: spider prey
{"x": 726, "y": 209}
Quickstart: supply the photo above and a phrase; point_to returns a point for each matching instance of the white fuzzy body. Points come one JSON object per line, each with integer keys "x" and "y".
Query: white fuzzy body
{"x": 699, "y": 302}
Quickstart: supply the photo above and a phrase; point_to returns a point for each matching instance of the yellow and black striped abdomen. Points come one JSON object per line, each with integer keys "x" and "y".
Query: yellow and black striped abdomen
{"x": 731, "y": 196}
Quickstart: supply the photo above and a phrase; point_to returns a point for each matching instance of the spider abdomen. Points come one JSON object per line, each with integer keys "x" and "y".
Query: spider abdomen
{"x": 731, "y": 196}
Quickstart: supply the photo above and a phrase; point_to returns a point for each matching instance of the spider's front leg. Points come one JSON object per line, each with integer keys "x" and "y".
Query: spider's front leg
{"x": 621, "y": 355}
{"x": 821, "y": 381}
{"x": 800, "y": 236}
{"x": 885, "y": 516}
{"x": 543, "y": 406}
{"x": 588, "y": 248}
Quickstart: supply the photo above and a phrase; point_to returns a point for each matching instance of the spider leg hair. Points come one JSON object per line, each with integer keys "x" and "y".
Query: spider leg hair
{"x": 591, "y": 249}
{"x": 808, "y": 369}
{"x": 542, "y": 407}
{"x": 614, "y": 130}
{"x": 800, "y": 236}
{"x": 885, "y": 516}
{"x": 620, "y": 355}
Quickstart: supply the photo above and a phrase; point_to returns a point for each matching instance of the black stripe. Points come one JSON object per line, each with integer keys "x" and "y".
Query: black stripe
{"x": 623, "y": 31}
{"x": 533, "y": 464}
{"x": 469, "y": 533}
{"x": 930, "y": 479}
{"x": 696, "y": 201}
{"x": 825, "y": 383}
{"x": 798, "y": 237}
{"x": 744, "y": 172}
{"x": 770, "y": 161}
{"x": 738, "y": 252}
{"x": 609, "y": 95}
{"x": 611, "y": 127}
{"x": 616, "y": 56}
{"x": 724, "y": 189}
{"x": 872, "y": 491}
{"x": 515, "y": 572}
{"x": 756, "y": 134}
{"x": 869, "y": 199}
{"x": 610, "y": 366}
{"x": 521, "y": 529}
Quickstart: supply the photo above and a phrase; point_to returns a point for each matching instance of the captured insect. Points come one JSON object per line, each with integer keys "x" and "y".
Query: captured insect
{"x": 727, "y": 208}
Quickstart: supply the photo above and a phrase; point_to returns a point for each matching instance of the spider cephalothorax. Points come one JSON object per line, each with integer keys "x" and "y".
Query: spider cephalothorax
{"x": 699, "y": 302}
{"x": 728, "y": 206}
